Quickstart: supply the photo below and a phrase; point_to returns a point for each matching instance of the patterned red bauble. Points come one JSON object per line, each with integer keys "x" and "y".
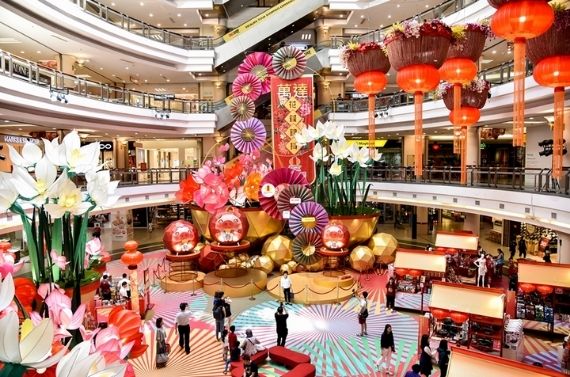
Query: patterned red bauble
{"x": 180, "y": 237}
{"x": 335, "y": 235}
{"x": 228, "y": 225}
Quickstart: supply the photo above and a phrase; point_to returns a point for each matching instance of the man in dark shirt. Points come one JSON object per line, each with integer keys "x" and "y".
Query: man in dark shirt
{"x": 232, "y": 339}
{"x": 250, "y": 368}
{"x": 415, "y": 372}
{"x": 281, "y": 325}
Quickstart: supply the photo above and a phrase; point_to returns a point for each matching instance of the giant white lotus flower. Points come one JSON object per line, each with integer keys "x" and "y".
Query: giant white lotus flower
{"x": 101, "y": 189}
{"x": 360, "y": 156}
{"x": 72, "y": 155}
{"x": 320, "y": 153}
{"x": 30, "y": 156}
{"x": 335, "y": 169}
{"x": 80, "y": 363}
{"x": 69, "y": 199}
{"x": 342, "y": 149}
{"x": 35, "y": 188}
{"x": 8, "y": 193}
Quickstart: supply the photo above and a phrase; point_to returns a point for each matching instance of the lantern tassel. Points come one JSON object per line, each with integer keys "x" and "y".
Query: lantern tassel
{"x": 558, "y": 133}
{"x": 371, "y": 123}
{"x": 463, "y": 146}
{"x": 419, "y": 150}
{"x": 519, "y": 77}
{"x": 456, "y": 130}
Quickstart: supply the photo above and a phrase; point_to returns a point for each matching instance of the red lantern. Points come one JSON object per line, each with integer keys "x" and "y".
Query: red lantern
{"x": 132, "y": 257}
{"x": 401, "y": 271}
{"x": 452, "y": 251}
{"x": 228, "y": 225}
{"x": 180, "y": 237}
{"x": 464, "y": 116}
{"x": 527, "y": 287}
{"x": 518, "y": 21}
{"x": 458, "y": 71}
{"x": 544, "y": 290}
{"x": 458, "y": 317}
{"x": 335, "y": 235}
{"x": 371, "y": 82}
{"x": 415, "y": 273}
{"x": 440, "y": 314}
{"x": 128, "y": 324}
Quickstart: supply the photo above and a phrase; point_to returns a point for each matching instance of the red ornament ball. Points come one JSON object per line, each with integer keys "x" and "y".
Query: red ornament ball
{"x": 335, "y": 235}
{"x": 180, "y": 237}
{"x": 228, "y": 226}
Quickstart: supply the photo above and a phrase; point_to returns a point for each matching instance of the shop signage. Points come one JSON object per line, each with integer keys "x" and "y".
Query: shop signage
{"x": 258, "y": 19}
{"x": 292, "y": 110}
{"x": 105, "y": 146}
{"x": 161, "y": 97}
{"x": 9, "y": 139}
{"x": 366, "y": 143}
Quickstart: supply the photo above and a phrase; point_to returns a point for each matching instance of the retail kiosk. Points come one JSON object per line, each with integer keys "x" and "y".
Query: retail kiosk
{"x": 468, "y": 316}
{"x": 414, "y": 272}
{"x": 466, "y": 363}
{"x": 543, "y": 296}
{"x": 462, "y": 246}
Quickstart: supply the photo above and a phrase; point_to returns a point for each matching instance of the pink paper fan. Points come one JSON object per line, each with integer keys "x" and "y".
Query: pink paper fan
{"x": 248, "y": 136}
{"x": 273, "y": 183}
{"x": 308, "y": 210}
{"x": 247, "y": 85}
{"x": 292, "y": 196}
{"x": 289, "y": 63}
{"x": 242, "y": 108}
{"x": 259, "y": 64}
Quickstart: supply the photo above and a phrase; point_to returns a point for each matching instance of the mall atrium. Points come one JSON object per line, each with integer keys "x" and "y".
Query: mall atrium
{"x": 202, "y": 188}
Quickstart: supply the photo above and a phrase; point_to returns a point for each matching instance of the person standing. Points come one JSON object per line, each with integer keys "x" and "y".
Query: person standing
{"x": 105, "y": 288}
{"x": 443, "y": 357}
{"x": 390, "y": 294}
{"x": 124, "y": 279}
{"x": 522, "y": 247}
{"x": 387, "y": 346}
{"x": 219, "y": 314}
{"x": 162, "y": 348}
{"x": 123, "y": 292}
{"x": 286, "y": 286}
{"x": 512, "y": 249}
{"x": 281, "y": 325}
{"x": 426, "y": 357}
{"x": 183, "y": 327}
{"x": 250, "y": 368}
{"x": 499, "y": 263}
{"x": 363, "y": 313}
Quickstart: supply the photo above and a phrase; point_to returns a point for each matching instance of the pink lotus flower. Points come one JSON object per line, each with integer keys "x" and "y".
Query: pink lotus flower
{"x": 45, "y": 289}
{"x": 213, "y": 194}
{"x": 109, "y": 340}
{"x": 64, "y": 319}
{"x": 8, "y": 265}
{"x": 58, "y": 260}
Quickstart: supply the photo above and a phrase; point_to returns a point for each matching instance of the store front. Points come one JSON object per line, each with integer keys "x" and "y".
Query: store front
{"x": 17, "y": 142}
{"x": 169, "y": 154}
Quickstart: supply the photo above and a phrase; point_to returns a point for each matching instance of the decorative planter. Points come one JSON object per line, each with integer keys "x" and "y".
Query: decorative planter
{"x": 426, "y": 49}
{"x": 360, "y": 227}
{"x": 469, "y": 97}
{"x": 554, "y": 42}
{"x": 471, "y": 46}
{"x": 364, "y": 61}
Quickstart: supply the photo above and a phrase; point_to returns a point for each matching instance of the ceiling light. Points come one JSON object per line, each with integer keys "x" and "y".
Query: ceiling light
{"x": 427, "y": 5}
{"x": 19, "y": 129}
{"x": 38, "y": 52}
{"x": 159, "y": 25}
{"x": 151, "y": 15}
{"x": 179, "y": 15}
{"x": 167, "y": 80}
{"x": 145, "y": 80}
{"x": 389, "y": 16}
{"x": 355, "y": 25}
{"x": 398, "y": 5}
{"x": 185, "y": 25}
{"x": 183, "y": 88}
{"x": 382, "y": 25}
{"x": 207, "y": 15}
{"x": 127, "y": 68}
{"x": 362, "y": 16}
{"x": 112, "y": 4}
{"x": 494, "y": 52}
{"x": 100, "y": 68}
{"x": 22, "y": 52}
{"x": 142, "y": 4}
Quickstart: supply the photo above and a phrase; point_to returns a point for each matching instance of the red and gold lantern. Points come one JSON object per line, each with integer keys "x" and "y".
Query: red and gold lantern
{"x": 544, "y": 290}
{"x": 458, "y": 317}
{"x": 335, "y": 235}
{"x": 527, "y": 287}
{"x": 401, "y": 271}
{"x": 228, "y": 226}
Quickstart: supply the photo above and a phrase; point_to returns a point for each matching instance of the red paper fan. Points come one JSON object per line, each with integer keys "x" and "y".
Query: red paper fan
{"x": 293, "y": 195}
{"x": 259, "y": 64}
{"x": 247, "y": 85}
{"x": 272, "y": 185}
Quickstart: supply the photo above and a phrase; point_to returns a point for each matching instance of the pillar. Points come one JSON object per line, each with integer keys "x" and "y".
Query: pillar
{"x": 473, "y": 145}
{"x": 219, "y": 91}
{"x": 324, "y": 96}
{"x": 66, "y": 65}
{"x": 472, "y": 223}
{"x": 219, "y": 30}
{"x": 422, "y": 221}
{"x": 563, "y": 248}
{"x": 409, "y": 150}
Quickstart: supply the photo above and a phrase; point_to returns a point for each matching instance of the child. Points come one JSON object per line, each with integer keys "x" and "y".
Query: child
{"x": 226, "y": 351}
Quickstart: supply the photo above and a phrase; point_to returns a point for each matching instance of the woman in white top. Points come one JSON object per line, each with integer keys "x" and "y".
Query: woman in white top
{"x": 363, "y": 314}
{"x": 286, "y": 286}
{"x": 249, "y": 344}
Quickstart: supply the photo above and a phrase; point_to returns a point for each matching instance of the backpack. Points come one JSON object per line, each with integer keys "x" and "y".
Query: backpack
{"x": 219, "y": 312}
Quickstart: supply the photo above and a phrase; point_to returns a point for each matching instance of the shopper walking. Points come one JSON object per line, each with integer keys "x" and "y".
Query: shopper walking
{"x": 427, "y": 357}
{"x": 512, "y": 249}
{"x": 249, "y": 344}
{"x": 522, "y": 247}
{"x": 286, "y": 286}
{"x": 499, "y": 263}
{"x": 219, "y": 314}
{"x": 387, "y": 347}
{"x": 183, "y": 327}
{"x": 162, "y": 347}
{"x": 363, "y": 313}
{"x": 390, "y": 294}
{"x": 443, "y": 357}
{"x": 281, "y": 325}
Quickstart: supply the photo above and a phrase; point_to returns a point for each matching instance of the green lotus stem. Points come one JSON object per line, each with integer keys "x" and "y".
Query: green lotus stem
{"x": 13, "y": 370}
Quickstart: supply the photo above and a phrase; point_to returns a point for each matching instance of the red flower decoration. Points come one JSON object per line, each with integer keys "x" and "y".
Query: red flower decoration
{"x": 187, "y": 189}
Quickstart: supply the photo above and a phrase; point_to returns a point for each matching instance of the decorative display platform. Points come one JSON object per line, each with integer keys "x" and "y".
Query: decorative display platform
{"x": 239, "y": 283}
{"x": 188, "y": 281}
{"x": 315, "y": 287}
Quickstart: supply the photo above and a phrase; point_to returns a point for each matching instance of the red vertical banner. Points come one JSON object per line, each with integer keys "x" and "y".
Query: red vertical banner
{"x": 291, "y": 111}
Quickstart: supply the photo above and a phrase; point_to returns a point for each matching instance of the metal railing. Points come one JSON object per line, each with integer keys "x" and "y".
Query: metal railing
{"x": 496, "y": 76}
{"x": 59, "y": 82}
{"x": 521, "y": 179}
{"x": 142, "y": 28}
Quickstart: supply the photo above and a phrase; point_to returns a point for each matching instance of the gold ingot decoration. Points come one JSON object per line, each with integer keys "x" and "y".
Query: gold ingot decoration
{"x": 233, "y": 261}
{"x": 243, "y": 257}
{"x": 264, "y": 263}
{"x": 278, "y": 248}
{"x": 361, "y": 258}
{"x": 261, "y": 224}
{"x": 285, "y": 268}
{"x": 319, "y": 265}
{"x": 253, "y": 259}
{"x": 360, "y": 227}
{"x": 292, "y": 264}
{"x": 383, "y": 247}
{"x": 223, "y": 267}
{"x": 309, "y": 222}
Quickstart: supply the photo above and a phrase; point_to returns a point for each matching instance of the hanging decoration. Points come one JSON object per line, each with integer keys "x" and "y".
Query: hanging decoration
{"x": 308, "y": 217}
{"x": 248, "y": 136}
{"x": 416, "y": 50}
{"x": 550, "y": 55}
{"x": 247, "y": 85}
{"x": 517, "y": 21}
{"x": 242, "y": 108}
{"x": 368, "y": 63}
{"x": 259, "y": 64}
{"x": 289, "y": 63}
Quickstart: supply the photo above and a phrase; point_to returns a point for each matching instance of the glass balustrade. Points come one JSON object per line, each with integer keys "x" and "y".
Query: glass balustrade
{"x": 62, "y": 83}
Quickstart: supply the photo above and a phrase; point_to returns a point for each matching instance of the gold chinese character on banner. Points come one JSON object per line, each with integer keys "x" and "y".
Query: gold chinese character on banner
{"x": 292, "y": 146}
{"x": 293, "y": 118}
{"x": 293, "y": 104}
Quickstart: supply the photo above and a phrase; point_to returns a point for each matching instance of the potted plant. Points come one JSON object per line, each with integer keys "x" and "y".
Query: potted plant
{"x": 474, "y": 94}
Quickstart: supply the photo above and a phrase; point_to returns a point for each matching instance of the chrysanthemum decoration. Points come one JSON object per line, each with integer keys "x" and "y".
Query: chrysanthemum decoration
{"x": 308, "y": 217}
{"x": 273, "y": 184}
{"x": 242, "y": 108}
{"x": 305, "y": 247}
{"x": 260, "y": 65}
{"x": 289, "y": 63}
{"x": 247, "y": 85}
{"x": 248, "y": 136}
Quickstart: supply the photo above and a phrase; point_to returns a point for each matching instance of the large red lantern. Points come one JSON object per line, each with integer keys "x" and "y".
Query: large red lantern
{"x": 440, "y": 314}
{"x": 371, "y": 83}
{"x": 458, "y": 317}
{"x": 544, "y": 290}
{"x": 25, "y": 292}
{"x": 132, "y": 257}
{"x": 228, "y": 225}
{"x": 527, "y": 287}
{"x": 464, "y": 116}
{"x": 180, "y": 237}
{"x": 415, "y": 273}
{"x": 458, "y": 71}
{"x": 401, "y": 271}
{"x": 335, "y": 235}
{"x": 518, "y": 21}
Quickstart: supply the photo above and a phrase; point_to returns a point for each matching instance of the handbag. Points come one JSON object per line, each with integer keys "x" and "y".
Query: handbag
{"x": 167, "y": 348}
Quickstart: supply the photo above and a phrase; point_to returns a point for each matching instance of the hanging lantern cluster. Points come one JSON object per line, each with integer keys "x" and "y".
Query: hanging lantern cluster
{"x": 518, "y": 21}
{"x": 550, "y": 54}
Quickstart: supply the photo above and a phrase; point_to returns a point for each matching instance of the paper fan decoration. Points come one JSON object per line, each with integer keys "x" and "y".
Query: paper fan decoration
{"x": 242, "y": 108}
{"x": 248, "y": 136}
{"x": 273, "y": 184}
{"x": 305, "y": 247}
{"x": 292, "y": 196}
{"x": 247, "y": 85}
{"x": 310, "y": 217}
{"x": 260, "y": 65}
{"x": 289, "y": 63}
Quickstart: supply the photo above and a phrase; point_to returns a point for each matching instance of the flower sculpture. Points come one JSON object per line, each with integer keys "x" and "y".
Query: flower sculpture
{"x": 249, "y": 135}
{"x": 251, "y": 186}
{"x": 242, "y": 108}
{"x": 64, "y": 320}
{"x": 44, "y": 182}
{"x": 259, "y": 64}
{"x": 82, "y": 362}
{"x": 289, "y": 63}
{"x": 8, "y": 263}
{"x": 247, "y": 85}
{"x": 213, "y": 193}
{"x": 187, "y": 189}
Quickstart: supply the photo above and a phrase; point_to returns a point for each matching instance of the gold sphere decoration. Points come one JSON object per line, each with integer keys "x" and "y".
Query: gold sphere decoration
{"x": 278, "y": 248}
{"x": 233, "y": 261}
{"x": 285, "y": 268}
{"x": 383, "y": 247}
{"x": 292, "y": 264}
{"x": 362, "y": 258}
{"x": 223, "y": 267}
{"x": 243, "y": 257}
{"x": 264, "y": 263}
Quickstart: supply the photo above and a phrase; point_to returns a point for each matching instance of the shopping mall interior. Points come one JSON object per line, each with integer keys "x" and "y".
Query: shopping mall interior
{"x": 295, "y": 169}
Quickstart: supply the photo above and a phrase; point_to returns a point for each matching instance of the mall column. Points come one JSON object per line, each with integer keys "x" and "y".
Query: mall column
{"x": 472, "y": 143}
{"x": 472, "y": 223}
{"x": 563, "y": 248}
